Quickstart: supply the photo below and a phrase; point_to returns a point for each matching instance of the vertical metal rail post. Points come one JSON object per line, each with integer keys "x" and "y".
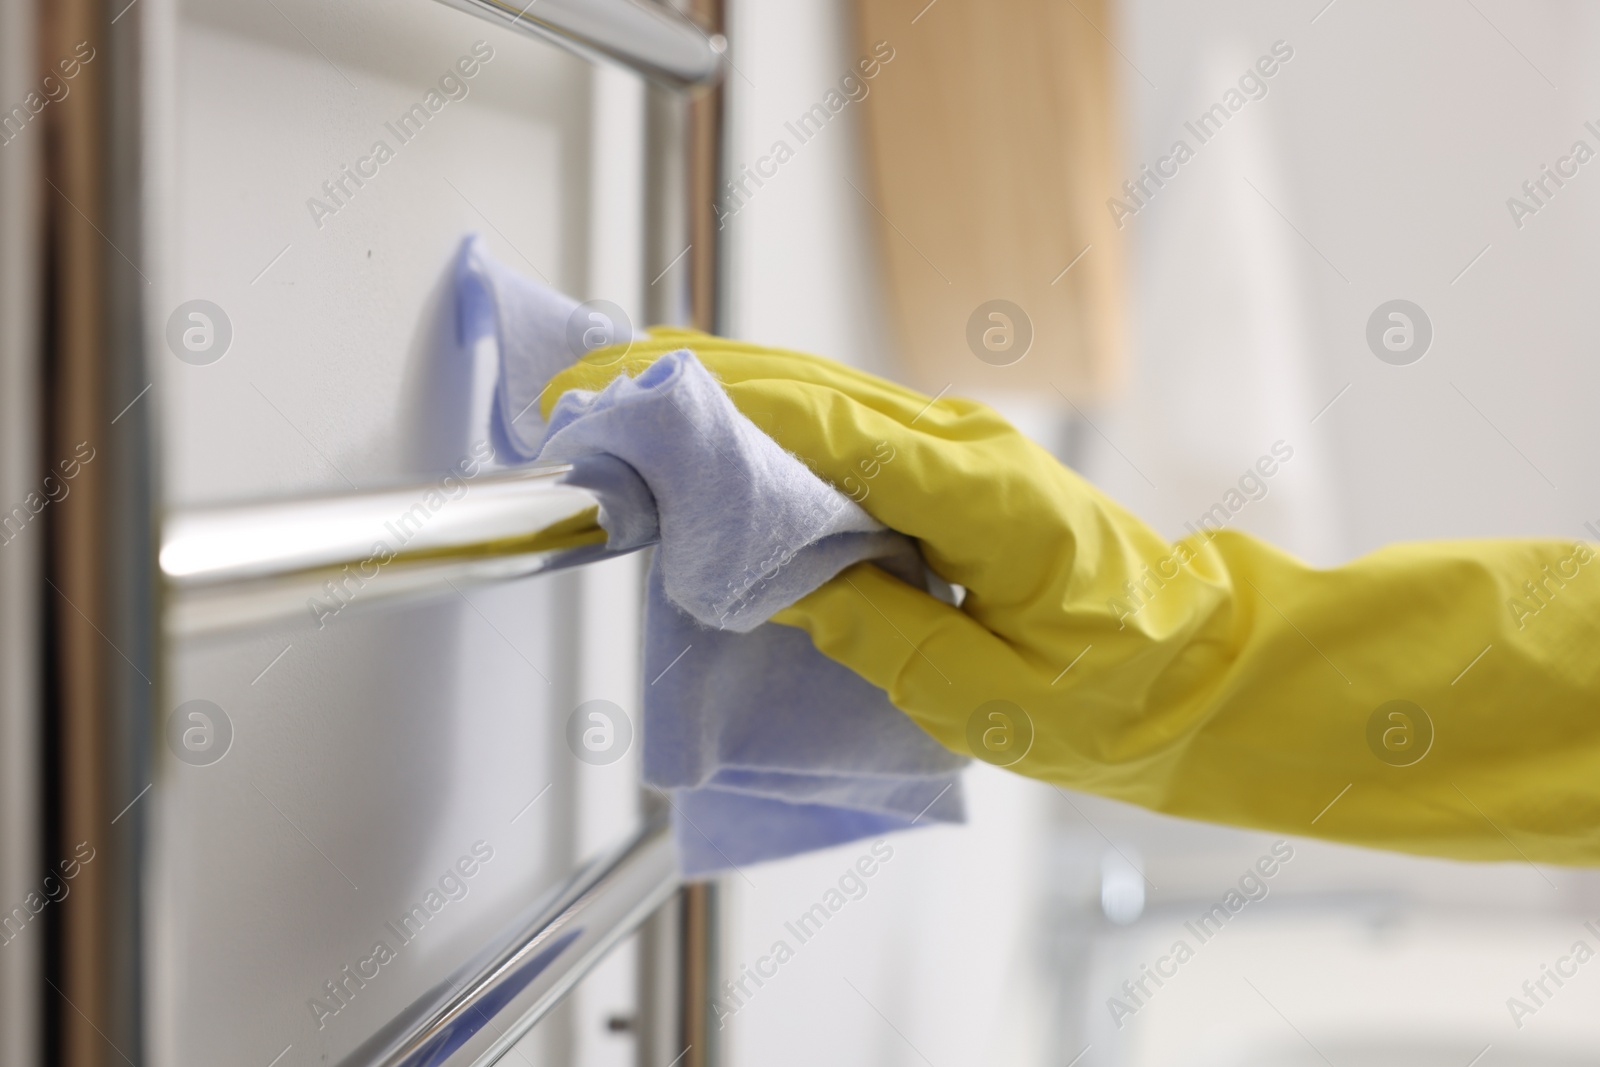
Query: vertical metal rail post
{"x": 680, "y": 948}
{"x": 702, "y": 904}
{"x": 101, "y": 675}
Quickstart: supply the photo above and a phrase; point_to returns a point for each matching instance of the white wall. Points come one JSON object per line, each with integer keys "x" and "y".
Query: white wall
{"x": 801, "y": 265}
{"x": 937, "y": 961}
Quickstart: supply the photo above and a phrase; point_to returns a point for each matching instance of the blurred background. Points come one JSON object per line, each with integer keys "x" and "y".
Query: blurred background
{"x": 1376, "y": 167}
{"x": 976, "y": 217}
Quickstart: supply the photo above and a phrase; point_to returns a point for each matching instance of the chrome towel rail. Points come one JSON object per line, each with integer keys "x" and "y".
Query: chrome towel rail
{"x": 652, "y": 39}
{"x": 225, "y": 568}
{"x": 248, "y": 565}
{"x": 526, "y": 971}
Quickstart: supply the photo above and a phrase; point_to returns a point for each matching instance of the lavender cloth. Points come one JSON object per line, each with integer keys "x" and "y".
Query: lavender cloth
{"x": 767, "y": 747}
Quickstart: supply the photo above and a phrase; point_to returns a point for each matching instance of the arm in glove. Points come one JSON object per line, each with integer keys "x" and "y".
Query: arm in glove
{"x": 1214, "y": 677}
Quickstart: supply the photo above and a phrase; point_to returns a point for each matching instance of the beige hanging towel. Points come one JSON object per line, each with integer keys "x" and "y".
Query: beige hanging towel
{"x": 991, "y": 148}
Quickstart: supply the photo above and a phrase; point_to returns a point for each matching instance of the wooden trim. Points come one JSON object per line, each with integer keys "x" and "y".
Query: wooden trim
{"x": 991, "y": 142}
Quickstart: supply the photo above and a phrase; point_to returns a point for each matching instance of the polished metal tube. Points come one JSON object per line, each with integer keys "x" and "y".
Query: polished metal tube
{"x": 232, "y": 568}
{"x": 477, "y": 1014}
{"x": 648, "y": 38}
{"x": 680, "y": 961}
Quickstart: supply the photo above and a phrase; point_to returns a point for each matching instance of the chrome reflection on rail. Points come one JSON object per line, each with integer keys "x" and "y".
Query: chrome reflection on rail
{"x": 477, "y": 1014}
{"x": 649, "y": 38}
{"x": 247, "y": 565}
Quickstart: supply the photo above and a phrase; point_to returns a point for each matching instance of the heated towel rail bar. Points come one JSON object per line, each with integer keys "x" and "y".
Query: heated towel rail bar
{"x": 645, "y": 37}
{"x": 526, "y": 971}
{"x": 231, "y": 568}
{"x": 228, "y": 569}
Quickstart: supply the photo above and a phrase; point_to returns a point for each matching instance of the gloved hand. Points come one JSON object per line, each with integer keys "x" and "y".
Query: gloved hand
{"x": 1216, "y": 677}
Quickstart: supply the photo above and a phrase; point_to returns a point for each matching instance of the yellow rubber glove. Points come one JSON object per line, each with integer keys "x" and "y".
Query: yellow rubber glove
{"x": 1232, "y": 682}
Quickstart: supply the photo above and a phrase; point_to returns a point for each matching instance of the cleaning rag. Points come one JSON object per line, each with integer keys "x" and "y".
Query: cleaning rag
{"x": 764, "y": 747}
